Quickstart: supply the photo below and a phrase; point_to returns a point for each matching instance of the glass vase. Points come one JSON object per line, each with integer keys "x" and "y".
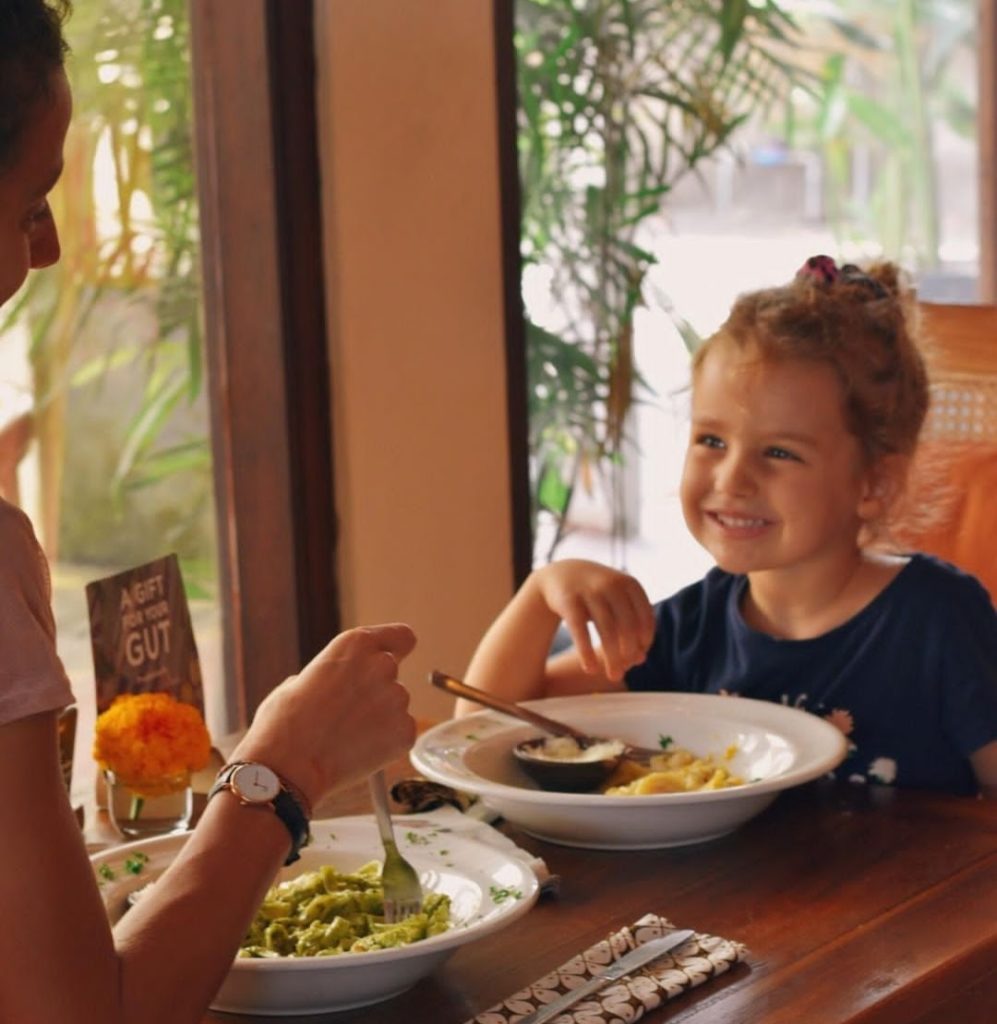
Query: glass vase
{"x": 149, "y": 807}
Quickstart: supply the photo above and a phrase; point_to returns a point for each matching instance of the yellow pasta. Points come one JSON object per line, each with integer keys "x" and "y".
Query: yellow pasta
{"x": 673, "y": 771}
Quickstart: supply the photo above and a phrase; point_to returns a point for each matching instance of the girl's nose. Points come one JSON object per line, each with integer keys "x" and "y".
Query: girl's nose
{"x": 45, "y": 248}
{"x": 733, "y": 476}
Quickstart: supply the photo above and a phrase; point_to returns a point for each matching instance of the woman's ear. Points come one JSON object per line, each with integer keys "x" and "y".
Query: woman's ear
{"x": 885, "y": 481}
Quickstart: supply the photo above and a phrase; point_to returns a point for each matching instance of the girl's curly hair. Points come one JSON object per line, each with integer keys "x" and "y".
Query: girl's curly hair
{"x": 861, "y": 323}
{"x": 32, "y": 47}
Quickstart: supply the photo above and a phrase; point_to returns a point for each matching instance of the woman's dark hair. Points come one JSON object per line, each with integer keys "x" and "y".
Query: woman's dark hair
{"x": 32, "y": 48}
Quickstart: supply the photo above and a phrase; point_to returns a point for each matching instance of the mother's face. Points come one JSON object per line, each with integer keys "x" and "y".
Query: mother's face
{"x": 28, "y": 235}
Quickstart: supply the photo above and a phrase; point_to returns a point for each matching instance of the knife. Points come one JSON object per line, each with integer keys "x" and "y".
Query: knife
{"x": 625, "y": 965}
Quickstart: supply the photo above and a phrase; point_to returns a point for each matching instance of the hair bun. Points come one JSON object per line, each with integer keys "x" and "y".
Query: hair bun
{"x": 879, "y": 282}
{"x": 854, "y": 275}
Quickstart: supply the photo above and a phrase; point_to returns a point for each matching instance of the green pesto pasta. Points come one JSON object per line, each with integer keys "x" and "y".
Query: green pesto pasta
{"x": 326, "y": 912}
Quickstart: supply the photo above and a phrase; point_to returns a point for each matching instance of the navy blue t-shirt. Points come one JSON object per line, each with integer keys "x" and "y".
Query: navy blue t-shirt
{"x": 911, "y": 679}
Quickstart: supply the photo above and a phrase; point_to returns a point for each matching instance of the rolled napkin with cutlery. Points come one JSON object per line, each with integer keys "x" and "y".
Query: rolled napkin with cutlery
{"x": 604, "y": 995}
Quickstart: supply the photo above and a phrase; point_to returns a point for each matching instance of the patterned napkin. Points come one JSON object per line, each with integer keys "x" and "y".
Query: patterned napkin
{"x": 625, "y": 1001}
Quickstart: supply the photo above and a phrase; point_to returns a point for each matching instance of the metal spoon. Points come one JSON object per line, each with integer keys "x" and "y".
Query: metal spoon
{"x": 548, "y": 771}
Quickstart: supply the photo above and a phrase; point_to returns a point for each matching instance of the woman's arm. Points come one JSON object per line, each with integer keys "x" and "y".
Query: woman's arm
{"x": 512, "y": 658}
{"x": 342, "y": 717}
{"x": 55, "y": 940}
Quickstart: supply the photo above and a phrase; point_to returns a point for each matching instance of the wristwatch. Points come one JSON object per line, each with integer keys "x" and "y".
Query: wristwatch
{"x": 256, "y": 785}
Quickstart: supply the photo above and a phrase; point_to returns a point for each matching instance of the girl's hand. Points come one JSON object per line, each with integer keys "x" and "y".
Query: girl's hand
{"x": 341, "y": 718}
{"x": 581, "y": 592}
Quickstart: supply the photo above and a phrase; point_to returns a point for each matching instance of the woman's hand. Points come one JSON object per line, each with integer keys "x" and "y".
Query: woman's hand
{"x": 580, "y": 592}
{"x": 341, "y": 718}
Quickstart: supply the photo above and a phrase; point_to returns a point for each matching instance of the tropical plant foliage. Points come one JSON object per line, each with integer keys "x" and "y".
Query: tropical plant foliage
{"x": 124, "y": 299}
{"x": 887, "y": 72}
{"x": 618, "y": 100}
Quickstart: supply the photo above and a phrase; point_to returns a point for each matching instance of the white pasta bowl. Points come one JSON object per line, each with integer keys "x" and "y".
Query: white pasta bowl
{"x": 489, "y": 888}
{"x": 776, "y": 747}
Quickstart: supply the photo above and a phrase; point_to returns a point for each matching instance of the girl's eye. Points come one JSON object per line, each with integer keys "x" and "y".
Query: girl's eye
{"x": 776, "y": 452}
{"x": 709, "y": 441}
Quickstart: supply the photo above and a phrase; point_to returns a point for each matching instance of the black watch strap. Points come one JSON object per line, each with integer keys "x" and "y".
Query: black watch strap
{"x": 287, "y": 808}
{"x": 286, "y": 805}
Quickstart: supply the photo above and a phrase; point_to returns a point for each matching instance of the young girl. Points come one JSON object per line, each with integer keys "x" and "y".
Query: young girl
{"x": 331, "y": 725}
{"x": 806, "y": 408}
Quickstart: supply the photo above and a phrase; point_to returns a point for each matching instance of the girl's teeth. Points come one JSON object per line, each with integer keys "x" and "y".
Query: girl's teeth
{"x": 739, "y": 523}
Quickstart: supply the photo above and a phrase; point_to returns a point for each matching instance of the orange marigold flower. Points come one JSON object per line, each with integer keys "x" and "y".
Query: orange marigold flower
{"x": 150, "y": 736}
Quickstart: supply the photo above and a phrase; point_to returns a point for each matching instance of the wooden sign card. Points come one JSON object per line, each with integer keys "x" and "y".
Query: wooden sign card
{"x": 141, "y": 634}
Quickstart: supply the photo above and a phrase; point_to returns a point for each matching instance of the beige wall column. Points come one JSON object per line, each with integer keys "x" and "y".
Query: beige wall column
{"x": 413, "y": 263}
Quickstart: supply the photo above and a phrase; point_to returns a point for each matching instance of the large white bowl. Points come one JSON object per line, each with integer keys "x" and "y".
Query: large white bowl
{"x": 488, "y": 889}
{"x": 777, "y": 747}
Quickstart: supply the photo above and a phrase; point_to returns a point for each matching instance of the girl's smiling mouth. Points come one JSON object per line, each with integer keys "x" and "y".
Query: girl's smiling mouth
{"x": 738, "y": 524}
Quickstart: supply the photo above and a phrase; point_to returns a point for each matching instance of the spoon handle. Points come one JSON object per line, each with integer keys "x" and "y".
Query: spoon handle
{"x": 461, "y": 689}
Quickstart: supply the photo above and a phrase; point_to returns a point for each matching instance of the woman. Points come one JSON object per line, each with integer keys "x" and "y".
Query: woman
{"x": 341, "y": 718}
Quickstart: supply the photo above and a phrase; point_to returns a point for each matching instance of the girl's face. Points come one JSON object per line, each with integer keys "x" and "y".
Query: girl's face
{"x": 28, "y": 236}
{"x": 772, "y": 480}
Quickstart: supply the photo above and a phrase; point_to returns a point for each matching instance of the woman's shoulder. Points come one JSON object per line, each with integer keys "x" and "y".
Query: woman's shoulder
{"x": 13, "y": 520}
{"x": 20, "y": 554}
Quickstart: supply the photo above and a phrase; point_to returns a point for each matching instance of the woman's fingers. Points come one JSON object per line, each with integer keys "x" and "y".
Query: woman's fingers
{"x": 394, "y": 637}
{"x": 344, "y": 715}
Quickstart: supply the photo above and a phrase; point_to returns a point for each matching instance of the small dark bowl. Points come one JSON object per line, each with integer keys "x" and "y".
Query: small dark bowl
{"x": 562, "y": 776}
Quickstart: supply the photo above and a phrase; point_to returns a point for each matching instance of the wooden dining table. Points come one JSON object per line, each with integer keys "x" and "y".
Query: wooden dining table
{"x": 856, "y": 904}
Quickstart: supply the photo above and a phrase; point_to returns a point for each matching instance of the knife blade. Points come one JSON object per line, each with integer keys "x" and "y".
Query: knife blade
{"x": 627, "y": 964}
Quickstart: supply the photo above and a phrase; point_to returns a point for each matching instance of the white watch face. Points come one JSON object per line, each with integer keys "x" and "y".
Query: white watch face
{"x": 255, "y": 783}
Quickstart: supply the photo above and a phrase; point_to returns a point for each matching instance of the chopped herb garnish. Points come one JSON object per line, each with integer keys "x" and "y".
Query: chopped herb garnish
{"x": 417, "y": 840}
{"x": 106, "y": 873}
{"x": 136, "y": 862}
{"x": 665, "y": 742}
{"x": 501, "y": 895}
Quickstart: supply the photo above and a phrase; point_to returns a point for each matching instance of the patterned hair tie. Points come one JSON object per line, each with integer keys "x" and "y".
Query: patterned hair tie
{"x": 852, "y": 274}
{"x": 822, "y": 269}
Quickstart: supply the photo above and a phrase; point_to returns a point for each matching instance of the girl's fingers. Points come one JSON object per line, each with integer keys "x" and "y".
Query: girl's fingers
{"x": 643, "y": 615}
{"x": 604, "y": 615}
{"x": 618, "y": 608}
{"x": 624, "y": 641}
{"x": 576, "y": 620}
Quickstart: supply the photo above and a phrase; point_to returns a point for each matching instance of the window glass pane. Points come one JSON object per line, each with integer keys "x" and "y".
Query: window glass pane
{"x": 100, "y": 360}
{"x": 866, "y": 148}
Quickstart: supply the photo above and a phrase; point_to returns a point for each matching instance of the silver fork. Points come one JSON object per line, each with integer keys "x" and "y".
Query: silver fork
{"x": 402, "y": 891}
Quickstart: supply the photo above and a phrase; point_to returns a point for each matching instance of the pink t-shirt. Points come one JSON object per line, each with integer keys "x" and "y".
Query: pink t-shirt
{"x": 32, "y": 678}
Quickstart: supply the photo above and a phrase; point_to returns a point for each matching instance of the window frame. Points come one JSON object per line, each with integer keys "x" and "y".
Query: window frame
{"x": 265, "y": 339}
